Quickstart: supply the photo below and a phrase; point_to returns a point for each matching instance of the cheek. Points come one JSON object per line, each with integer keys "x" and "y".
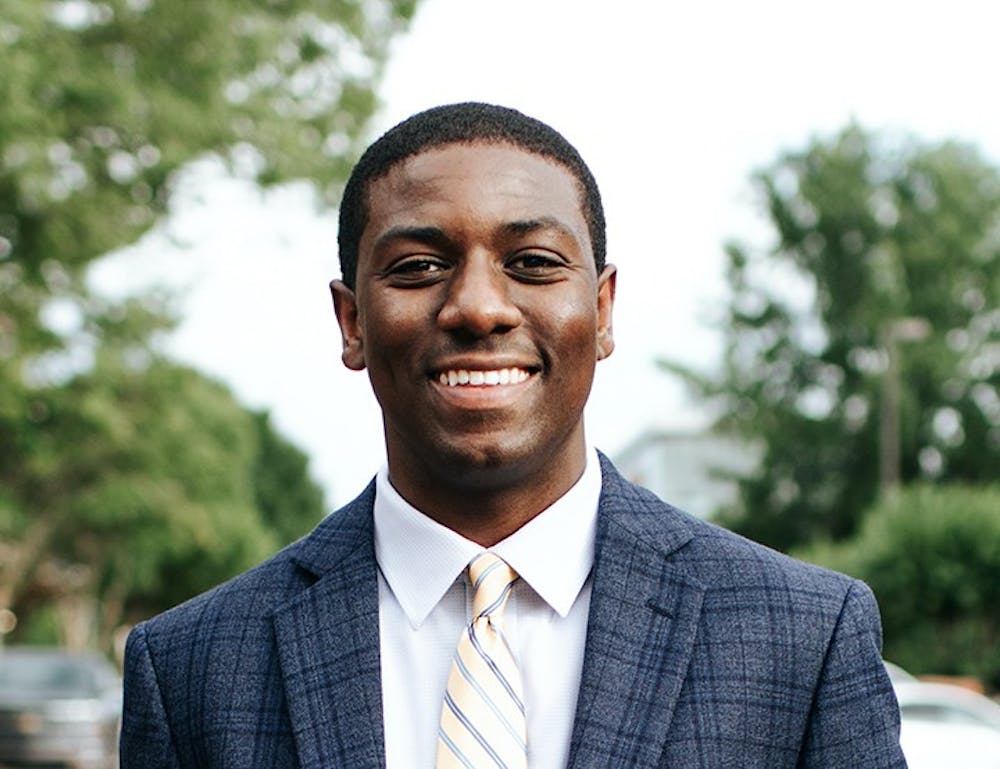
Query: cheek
{"x": 574, "y": 324}
{"x": 392, "y": 324}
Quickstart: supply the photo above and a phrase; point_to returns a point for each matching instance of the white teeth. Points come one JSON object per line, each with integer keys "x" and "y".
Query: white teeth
{"x": 492, "y": 378}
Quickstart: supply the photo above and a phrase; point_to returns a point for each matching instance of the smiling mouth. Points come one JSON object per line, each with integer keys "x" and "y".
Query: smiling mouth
{"x": 483, "y": 378}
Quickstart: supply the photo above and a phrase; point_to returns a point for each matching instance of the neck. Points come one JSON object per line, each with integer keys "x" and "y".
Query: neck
{"x": 488, "y": 506}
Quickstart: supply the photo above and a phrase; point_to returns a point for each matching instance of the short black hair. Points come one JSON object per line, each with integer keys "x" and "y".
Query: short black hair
{"x": 463, "y": 123}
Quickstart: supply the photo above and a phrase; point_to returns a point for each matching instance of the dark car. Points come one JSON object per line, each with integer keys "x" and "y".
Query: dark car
{"x": 58, "y": 708}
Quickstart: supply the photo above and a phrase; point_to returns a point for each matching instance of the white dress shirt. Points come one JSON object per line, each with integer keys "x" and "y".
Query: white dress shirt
{"x": 425, "y": 602}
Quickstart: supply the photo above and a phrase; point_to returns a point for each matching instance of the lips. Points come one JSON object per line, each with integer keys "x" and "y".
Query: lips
{"x": 483, "y": 377}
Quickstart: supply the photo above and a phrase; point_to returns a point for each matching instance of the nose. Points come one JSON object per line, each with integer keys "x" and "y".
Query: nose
{"x": 478, "y": 301}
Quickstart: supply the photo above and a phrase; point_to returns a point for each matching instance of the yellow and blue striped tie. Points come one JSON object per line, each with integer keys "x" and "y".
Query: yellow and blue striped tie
{"x": 482, "y": 719}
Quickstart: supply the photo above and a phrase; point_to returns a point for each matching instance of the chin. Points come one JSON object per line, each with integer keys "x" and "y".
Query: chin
{"x": 472, "y": 458}
{"x": 496, "y": 461}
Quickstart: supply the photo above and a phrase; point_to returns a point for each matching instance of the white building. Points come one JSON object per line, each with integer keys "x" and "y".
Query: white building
{"x": 694, "y": 471}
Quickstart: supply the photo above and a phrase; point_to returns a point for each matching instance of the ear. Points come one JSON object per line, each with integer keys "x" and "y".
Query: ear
{"x": 345, "y": 305}
{"x": 606, "y": 282}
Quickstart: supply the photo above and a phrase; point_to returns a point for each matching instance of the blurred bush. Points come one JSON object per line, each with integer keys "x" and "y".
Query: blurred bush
{"x": 932, "y": 556}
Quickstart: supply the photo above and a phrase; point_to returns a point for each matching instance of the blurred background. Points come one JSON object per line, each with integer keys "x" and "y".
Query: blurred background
{"x": 803, "y": 201}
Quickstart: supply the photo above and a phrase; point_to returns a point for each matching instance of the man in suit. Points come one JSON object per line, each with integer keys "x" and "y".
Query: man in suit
{"x": 476, "y": 295}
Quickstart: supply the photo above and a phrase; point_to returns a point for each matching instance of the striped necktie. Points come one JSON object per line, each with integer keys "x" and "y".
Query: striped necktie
{"x": 482, "y": 719}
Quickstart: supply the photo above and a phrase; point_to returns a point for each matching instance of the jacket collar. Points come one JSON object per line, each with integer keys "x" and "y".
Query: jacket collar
{"x": 644, "y": 615}
{"x": 337, "y": 536}
{"x": 327, "y": 638}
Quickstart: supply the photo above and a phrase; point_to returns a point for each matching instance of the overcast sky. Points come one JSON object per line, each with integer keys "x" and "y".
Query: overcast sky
{"x": 673, "y": 105}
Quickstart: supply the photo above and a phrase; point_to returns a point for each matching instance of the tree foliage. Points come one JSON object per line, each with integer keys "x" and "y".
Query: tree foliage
{"x": 871, "y": 236}
{"x": 125, "y": 478}
{"x": 139, "y": 486}
{"x": 287, "y": 505}
{"x": 104, "y": 101}
{"x": 932, "y": 556}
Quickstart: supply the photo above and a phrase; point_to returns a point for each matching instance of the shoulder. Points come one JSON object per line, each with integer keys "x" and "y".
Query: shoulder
{"x": 757, "y": 621}
{"x": 250, "y": 598}
{"x": 724, "y": 563}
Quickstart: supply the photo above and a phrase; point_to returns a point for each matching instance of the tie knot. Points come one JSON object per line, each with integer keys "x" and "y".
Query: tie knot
{"x": 491, "y": 580}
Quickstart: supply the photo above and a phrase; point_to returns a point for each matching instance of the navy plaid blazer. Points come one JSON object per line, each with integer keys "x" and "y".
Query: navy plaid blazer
{"x": 703, "y": 650}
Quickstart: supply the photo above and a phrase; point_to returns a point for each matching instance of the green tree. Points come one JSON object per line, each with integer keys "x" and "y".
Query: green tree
{"x": 148, "y": 484}
{"x": 932, "y": 556}
{"x": 874, "y": 240}
{"x": 287, "y": 505}
{"x": 138, "y": 479}
{"x": 104, "y": 101}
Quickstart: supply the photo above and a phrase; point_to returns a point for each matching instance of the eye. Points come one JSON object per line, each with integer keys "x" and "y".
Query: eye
{"x": 416, "y": 270}
{"x": 536, "y": 266}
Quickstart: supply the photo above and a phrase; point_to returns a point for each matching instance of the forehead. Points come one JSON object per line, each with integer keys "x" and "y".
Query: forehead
{"x": 487, "y": 178}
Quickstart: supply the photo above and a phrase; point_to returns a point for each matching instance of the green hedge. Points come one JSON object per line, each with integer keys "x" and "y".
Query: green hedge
{"x": 932, "y": 556}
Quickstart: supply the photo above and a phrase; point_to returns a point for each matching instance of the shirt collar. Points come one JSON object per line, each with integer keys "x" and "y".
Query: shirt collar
{"x": 420, "y": 559}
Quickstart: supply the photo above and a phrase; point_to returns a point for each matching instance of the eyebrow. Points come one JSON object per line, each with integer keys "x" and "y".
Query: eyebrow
{"x": 542, "y": 223}
{"x": 434, "y": 236}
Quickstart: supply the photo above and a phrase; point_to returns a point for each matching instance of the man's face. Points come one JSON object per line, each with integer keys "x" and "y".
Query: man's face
{"x": 479, "y": 315}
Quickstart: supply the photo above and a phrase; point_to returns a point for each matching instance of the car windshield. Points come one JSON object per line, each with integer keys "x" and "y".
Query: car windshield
{"x": 28, "y": 673}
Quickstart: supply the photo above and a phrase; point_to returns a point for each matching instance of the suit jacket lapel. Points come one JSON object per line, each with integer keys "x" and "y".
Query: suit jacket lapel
{"x": 643, "y": 621}
{"x": 327, "y": 638}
